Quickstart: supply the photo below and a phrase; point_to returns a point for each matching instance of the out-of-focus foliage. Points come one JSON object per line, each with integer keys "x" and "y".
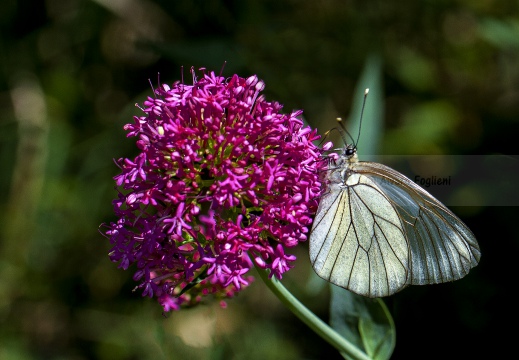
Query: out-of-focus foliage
{"x": 70, "y": 72}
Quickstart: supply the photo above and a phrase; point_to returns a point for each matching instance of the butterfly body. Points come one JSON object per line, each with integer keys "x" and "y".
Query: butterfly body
{"x": 376, "y": 231}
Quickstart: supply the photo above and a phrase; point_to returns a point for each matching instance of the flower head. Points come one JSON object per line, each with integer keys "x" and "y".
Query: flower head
{"x": 223, "y": 180}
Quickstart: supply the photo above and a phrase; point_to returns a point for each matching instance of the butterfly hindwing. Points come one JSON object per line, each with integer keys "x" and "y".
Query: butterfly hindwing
{"x": 442, "y": 247}
{"x": 358, "y": 241}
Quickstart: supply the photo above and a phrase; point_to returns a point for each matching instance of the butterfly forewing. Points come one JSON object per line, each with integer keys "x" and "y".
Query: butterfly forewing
{"x": 375, "y": 232}
{"x": 442, "y": 247}
{"x": 357, "y": 239}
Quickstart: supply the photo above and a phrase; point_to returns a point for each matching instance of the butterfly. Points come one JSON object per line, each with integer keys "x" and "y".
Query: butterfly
{"x": 376, "y": 231}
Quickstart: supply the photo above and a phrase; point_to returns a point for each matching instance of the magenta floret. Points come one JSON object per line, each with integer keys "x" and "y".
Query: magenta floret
{"x": 223, "y": 180}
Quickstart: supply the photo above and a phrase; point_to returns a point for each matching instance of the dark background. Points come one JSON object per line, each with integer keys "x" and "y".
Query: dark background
{"x": 70, "y": 74}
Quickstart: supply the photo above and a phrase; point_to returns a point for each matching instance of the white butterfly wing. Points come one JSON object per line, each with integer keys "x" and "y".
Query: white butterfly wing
{"x": 380, "y": 232}
{"x": 442, "y": 247}
{"x": 357, "y": 240}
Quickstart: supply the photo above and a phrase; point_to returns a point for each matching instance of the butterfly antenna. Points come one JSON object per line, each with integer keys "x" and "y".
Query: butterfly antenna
{"x": 342, "y": 130}
{"x": 361, "y": 115}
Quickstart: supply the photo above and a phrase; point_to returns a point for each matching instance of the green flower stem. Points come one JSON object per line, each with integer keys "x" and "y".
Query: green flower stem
{"x": 309, "y": 318}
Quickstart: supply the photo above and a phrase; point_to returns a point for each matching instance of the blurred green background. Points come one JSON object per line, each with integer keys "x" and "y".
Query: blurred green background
{"x": 70, "y": 74}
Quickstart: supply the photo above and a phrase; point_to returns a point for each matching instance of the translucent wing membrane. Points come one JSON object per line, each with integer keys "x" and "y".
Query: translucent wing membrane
{"x": 442, "y": 247}
{"x": 376, "y": 232}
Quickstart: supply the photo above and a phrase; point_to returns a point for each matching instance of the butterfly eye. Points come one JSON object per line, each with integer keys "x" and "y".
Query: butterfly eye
{"x": 350, "y": 151}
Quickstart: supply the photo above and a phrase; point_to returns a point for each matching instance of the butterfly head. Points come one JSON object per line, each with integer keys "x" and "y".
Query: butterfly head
{"x": 349, "y": 153}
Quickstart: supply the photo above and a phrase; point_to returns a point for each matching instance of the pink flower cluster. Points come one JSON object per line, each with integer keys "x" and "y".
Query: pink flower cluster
{"x": 223, "y": 181}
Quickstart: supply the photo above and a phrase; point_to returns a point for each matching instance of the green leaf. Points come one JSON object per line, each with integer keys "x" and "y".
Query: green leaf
{"x": 373, "y": 117}
{"x": 502, "y": 33}
{"x": 365, "y": 322}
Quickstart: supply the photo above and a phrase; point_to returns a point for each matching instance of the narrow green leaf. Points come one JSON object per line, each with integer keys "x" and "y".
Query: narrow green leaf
{"x": 378, "y": 332}
{"x": 365, "y": 322}
{"x": 373, "y": 118}
{"x": 501, "y": 33}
